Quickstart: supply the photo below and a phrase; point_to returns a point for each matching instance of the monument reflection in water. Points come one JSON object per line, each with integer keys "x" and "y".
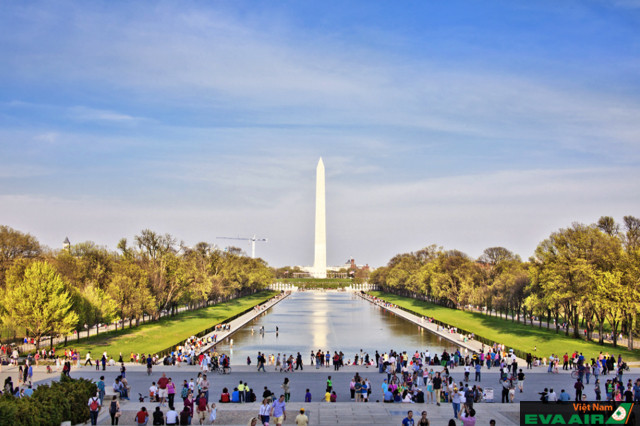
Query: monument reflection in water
{"x": 334, "y": 321}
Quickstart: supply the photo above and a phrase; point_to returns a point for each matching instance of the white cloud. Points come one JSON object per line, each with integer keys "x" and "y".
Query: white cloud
{"x": 515, "y": 209}
{"x": 92, "y": 114}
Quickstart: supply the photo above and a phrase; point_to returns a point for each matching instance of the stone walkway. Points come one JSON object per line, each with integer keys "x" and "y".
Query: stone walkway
{"x": 237, "y": 323}
{"x": 341, "y": 413}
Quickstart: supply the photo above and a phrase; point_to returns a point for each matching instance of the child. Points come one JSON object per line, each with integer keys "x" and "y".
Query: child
{"x": 212, "y": 416}
{"x": 153, "y": 392}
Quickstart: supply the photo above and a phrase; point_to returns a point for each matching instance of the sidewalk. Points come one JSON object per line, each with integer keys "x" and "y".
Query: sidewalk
{"x": 470, "y": 344}
{"x": 237, "y": 323}
{"x": 340, "y": 413}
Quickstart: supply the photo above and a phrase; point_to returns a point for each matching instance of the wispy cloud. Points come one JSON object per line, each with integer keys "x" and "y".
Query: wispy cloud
{"x": 466, "y": 134}
{"x": 92, "y": 114}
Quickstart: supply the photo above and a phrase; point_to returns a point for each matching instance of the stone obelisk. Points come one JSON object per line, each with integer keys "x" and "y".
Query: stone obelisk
{"x": 320, "y": 257}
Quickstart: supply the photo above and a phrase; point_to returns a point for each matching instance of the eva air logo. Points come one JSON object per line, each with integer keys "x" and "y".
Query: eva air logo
{"x": 621, "y": 415}
{"x": 589, "y": 413}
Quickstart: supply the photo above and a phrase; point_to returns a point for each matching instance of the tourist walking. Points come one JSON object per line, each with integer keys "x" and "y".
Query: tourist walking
{"x": 437, "y": 387}
{"x": 94, "y": 408}
{"x": 202, "y": 408}
{"x": 520, "y": 380}
{"x": 162, "y": 389}
{"x": 578, "y": 386}
{"x": 455, "y": 401}
{"x": 213, "y": 414}
{"x": 299, "y": 362}
{"x": 171, "y": 392}
{"x": 114, "y": 410}
{"x": 265, "y": 411}
{"x": 286, "y": 388}
{"x": 430, "y": 398}
{"x": 408, "y": 421}
{"x": 278, "y": 411}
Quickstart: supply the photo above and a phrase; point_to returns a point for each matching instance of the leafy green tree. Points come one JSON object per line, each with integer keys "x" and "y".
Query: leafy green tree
{"x": 129, "y": 289}
{"x": 15, "y": 245}
{"x": 455, "y": 279}
{"x": 568, "y": 263}
{"x": 100, "y": 307}
{"x": 39, "y": 301}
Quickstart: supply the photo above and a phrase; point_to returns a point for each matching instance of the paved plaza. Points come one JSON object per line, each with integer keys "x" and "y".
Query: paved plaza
{"x": 342, "y": 412}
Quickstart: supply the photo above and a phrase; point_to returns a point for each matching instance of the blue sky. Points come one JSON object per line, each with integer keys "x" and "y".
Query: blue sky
{"x": 462, "y": 124}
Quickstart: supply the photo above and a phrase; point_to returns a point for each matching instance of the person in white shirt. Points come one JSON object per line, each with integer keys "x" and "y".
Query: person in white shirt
{"x": 153, "y": 392}
{"x": 172, "y": 417}
{"x": 265, "y": 410}
{"x": 552, "y": 397}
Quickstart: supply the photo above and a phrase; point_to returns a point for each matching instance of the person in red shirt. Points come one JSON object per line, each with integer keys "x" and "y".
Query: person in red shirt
{"x": 565, "y": 359}
{"x": 162, "y": 388}
{"x": 142, "y": 417}
{"x": 203, "y": 408}
{"x": 224, "y": 397}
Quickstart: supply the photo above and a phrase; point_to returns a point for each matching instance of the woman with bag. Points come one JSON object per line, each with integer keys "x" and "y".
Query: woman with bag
{"x": 114, "y": 410}
{"x": 265, "y": 410}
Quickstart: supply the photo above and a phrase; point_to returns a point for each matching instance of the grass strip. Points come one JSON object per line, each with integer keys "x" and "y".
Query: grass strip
{"x": 167, "y": 331}
{"x": 514, "y": 335}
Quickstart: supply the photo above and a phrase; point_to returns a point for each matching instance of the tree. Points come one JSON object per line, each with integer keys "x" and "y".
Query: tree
{"x": 632, "y": 232}
{"x": 38, "y": 301}
{"x": 568, "y": 263}
{"x": 129, "y": 289}
{"x": 609, "y": 226}
{"x": 151, "y": 244}
{"x": 455, "y": 279}
{"x": 100, "y": 307}
{"x": 496, "y": 255}
{"x": 15, "y": 245}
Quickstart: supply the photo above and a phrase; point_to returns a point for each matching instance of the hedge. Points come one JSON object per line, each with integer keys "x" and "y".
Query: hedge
{"x": 65, "y": 400}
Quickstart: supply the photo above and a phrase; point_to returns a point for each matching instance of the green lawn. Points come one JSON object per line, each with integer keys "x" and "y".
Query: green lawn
{"x": 166, "y": 332}
{"x": 514, "y": 335}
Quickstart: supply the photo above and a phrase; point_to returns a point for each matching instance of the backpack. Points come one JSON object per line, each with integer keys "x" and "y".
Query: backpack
{"x": 94, "y": 404}
{"x": 185, "y": 392}
{"x": 113, "y": 407}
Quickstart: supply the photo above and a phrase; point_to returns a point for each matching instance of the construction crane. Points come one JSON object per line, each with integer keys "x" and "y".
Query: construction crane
{"x": 252, "y": 239}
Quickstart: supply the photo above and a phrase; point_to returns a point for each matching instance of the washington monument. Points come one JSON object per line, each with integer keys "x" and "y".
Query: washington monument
{"x": 320, "y": 254}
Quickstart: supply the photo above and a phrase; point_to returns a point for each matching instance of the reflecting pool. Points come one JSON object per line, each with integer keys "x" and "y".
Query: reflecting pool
{"x": 334, "y": 321}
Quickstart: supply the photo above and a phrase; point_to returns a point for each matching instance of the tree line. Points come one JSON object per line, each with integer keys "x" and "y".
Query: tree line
{"x": 53, "y": 292}
{"x": 585, "y": 276}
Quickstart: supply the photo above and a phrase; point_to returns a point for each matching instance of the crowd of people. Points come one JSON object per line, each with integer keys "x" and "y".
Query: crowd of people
{"x": 583, "y": 370}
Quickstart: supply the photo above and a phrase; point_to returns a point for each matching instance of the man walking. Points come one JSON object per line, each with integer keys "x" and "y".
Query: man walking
{"x": 162, "y": 389}
{"x": 94, "y": 409}
{"x": 408, "y": 421}
{"x": 278, "y": 411}
{"x": 578, "y": 387}
{"x": 437, "y": 386}
{"x": 299, "y": 362}
{"x": 521, "y": 380}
